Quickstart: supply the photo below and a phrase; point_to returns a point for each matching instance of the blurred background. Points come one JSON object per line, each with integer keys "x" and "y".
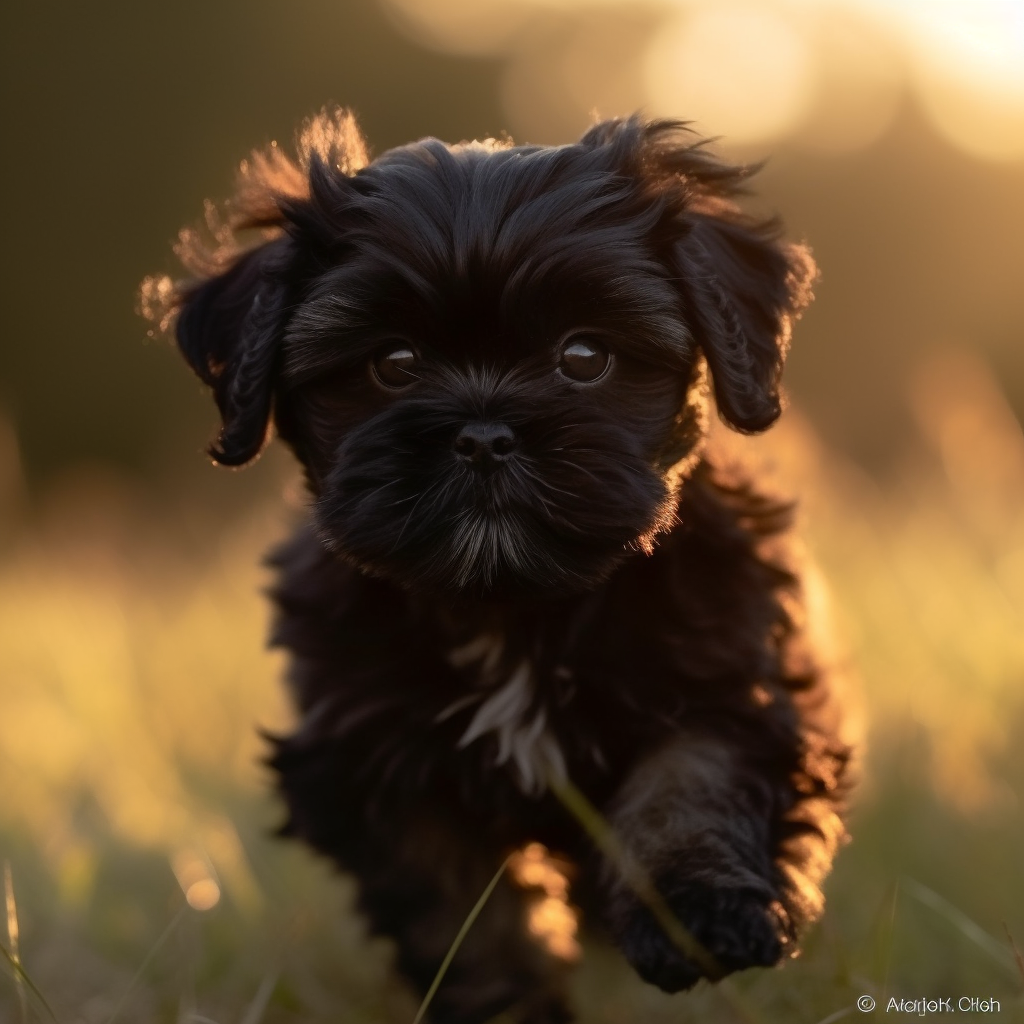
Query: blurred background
{"x": 140, "y": 882}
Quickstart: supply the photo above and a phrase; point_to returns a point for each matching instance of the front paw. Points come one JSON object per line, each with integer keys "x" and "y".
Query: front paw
{"x": 737, "y": 927}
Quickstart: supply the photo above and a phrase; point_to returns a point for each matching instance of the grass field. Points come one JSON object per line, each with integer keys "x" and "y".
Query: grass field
{"x": 142, "y": 885}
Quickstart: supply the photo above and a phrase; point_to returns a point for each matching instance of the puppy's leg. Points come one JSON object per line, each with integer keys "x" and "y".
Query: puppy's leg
{"x": 420, "y": 888}
{"x": 736, "y": 854}
{"x": 422, "y": 863}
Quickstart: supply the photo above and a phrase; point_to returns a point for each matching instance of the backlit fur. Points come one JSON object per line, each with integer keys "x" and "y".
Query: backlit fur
{"x": 610, "y": 604}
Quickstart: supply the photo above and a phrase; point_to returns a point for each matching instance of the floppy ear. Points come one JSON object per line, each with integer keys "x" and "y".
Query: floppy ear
{"x": 229, "y": 329}
{"x": 230, "y": 318}
{"x": 743, "y": 287}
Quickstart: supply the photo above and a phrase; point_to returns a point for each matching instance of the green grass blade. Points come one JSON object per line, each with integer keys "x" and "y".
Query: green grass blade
{"x": 12, "y": 935}
{"x": 601, "y": 831}
{"x": 889, "y": 939}
{"x": 454, "y": 948}
{"x": 638, "y": 880}
{"x": 255, "y": 1010}
{"x": 22, "y": 975}
{"x": 838, "y": 1015}
{"x": 965, "y": 925}
{"x": 1017, "y": 955}
{"x": 164, "y": 935}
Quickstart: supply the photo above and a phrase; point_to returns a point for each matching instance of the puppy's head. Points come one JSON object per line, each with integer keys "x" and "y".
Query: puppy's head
{"x": 491, "y": 360}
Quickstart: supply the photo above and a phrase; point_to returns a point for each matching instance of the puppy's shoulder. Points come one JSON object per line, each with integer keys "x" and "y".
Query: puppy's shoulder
{"x": 307, "y": 577}
{"x": 317, "y": 594}
{"x": 731, "y": 568}
{"x": 728, "y": 502}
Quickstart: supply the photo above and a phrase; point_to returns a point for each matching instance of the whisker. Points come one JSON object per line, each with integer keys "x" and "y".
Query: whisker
{"x": 412, "y": 512}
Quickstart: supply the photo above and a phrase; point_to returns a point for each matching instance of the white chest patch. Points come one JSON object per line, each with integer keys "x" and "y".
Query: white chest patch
{"x": 506, "y": 708}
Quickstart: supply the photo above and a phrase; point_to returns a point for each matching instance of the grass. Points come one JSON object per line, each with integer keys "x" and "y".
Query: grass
{"x": 133, "y": 678}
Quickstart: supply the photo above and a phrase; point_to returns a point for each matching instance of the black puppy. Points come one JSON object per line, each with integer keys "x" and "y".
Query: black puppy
{"x": 519, "y": 567}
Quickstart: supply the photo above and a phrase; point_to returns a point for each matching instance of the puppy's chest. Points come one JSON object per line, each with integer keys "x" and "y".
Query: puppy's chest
{"x": 506, "y": 705}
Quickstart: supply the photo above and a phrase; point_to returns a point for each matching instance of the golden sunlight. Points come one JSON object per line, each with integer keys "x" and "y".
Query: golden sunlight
{"x": 966, "y": 64}
{"x": 550, "y": 918}
{"x": 738, "y": 70}
{"x": 461, "y": 26}
{"x": 196, "y": 877}
{"x": 828, "y": 73}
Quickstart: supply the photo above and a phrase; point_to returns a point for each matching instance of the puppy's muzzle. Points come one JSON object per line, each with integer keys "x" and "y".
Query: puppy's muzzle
{"x": 485, "y": 445}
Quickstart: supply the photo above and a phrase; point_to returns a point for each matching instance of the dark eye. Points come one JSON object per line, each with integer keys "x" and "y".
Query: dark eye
{"x": 584, "y": 359}
{"x": 395, "y": 367}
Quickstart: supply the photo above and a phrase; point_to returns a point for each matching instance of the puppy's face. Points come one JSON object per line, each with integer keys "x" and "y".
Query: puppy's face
{"x": 484, "y": 394}
{"x": 490, "y": 359}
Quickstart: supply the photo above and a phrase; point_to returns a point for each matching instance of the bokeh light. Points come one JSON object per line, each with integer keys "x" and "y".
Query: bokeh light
{"x": 738, "y": 70}
{"x": 551, "y": 918}
{"x": 858, "y": 80}
{"x": 196, "y": 877}
{"x": 827, "y": 71}
{"x": 966, "y": 64}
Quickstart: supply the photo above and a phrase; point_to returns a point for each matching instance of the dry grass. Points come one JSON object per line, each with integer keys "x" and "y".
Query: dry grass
{"x": 135, "y": 818}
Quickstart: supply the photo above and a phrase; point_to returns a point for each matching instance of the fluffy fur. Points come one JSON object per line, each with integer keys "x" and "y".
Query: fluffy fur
{"x": 590, "y": 596}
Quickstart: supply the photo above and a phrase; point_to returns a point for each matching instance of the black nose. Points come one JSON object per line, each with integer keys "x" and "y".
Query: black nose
{"x": 485, "y": 443}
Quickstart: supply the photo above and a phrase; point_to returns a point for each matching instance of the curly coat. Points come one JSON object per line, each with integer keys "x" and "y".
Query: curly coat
{"x": 628, "y": 613}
